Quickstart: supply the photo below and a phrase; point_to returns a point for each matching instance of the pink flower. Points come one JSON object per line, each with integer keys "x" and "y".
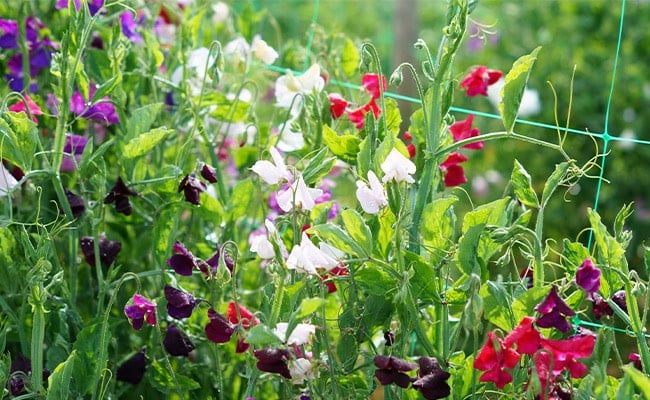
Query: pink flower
{"x": 477, "y": 82}
{"x": 371, "y": 83}
{"x": 454, "y": 173}
{"x": 463, "y": 130}
{"x": 141, "y": 310}
{"x": 567, "y": 352}
{"x": 34, "y": 109}
{"x": 588, "y": 277}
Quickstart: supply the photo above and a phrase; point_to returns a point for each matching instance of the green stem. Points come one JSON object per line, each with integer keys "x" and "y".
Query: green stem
{"x": 38, "y": 337}
{"x": 538, "y": 268}
{"x": 637, "y": 326}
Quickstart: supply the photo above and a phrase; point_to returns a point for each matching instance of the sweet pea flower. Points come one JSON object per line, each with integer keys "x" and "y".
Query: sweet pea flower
{"x": 308, "y": 258}
{"x": 33, "y": 108}
{"x": 142, "y": 309}
{"x": 588, "y": 277}
{"x": 477, "y": 82}
{"x": 133, "y": 369}
{"x": 176, "y": 342}
{"x": 101, "y": 110}
{"x": 298, "y": 196}
{"x": 398, "y": 168}
{"x": 192, "y": 187}
{"x": 301, "y": 370}
{"x": 524, "y": 336}
{"x": 199, "y": 61}
{"x": 130, "y": 25}
{"x": 272, "y": 172}
{"x": 432, "y": 380}
{"x": 72, "y": 151}
{"x": 493, "y": 358}
{"x": 180, "y": 304}
{"x": 119, "y": 194}
{"x": 554, "y": 312}
{"x": 288, "y": 86}
{"x": 289, "y": 139}
{"x": 463, "y": 130}
{"x": 454, "y": 173}
{"x": 93, "y": 5}
{"x": 77, "y": 204}
{"x": 245, "y": 317}
{"x": 530, "y": 102}
{"x": 7, "y": 181}
{"x": 392, "y": 370}
{"x": 108, "y": 250}
{"x": 338, "y": 105}
{"x": 566, "y": 353}
{"x": 262, "y": 51}
{"x": 273, "y": 360}
{"x": 219, "y": 329}
{"x": 372, "y": 198}
{"x": 300, "y": 335}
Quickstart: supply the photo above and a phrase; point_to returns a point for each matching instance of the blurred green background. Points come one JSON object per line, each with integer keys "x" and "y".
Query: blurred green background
{"x": 575, "y": 35}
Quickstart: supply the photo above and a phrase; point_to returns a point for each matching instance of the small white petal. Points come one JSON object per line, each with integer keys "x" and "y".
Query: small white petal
{"x": 263, "y": 52}
{"x": 299, "y": 336}
{"x": 7, "y": 181}
{"x": 302, "y": 369}
{"x": 398, "y": 168}
{"x": 372, "y": 198}
{"x": 263, "y": 247}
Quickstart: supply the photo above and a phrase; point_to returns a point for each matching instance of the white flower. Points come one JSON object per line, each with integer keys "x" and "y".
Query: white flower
{"x": 288, "y": 86}
{"x": 299, "y": 336}
{"x": 221, "y": 12}
{"x": 198, "y": 63}
{"x": 298, "y": 195}
{"x": 237, "y": 50}
{"x": 7, "y": 181}
{"x": 530, "y": 103}
{"x": 302, "y": 369}
{"x": 262, "y": 51}
{"x": 308, "y": 258}
{"x": 272, "y": 172}
{"x": 290, "y": 140}
{"x": 398, "y": 168}
{"x": 372, "y": 198}
{"x": 261, "y": 245}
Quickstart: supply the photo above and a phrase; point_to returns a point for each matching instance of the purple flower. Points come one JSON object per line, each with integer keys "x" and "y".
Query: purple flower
{"x": 432, "y": 380}
{"x": 391, "y": 370}
{"x": 8, "y": 38}
{"x": 132, "y": 370}
{"x": 191, "y": 186}
{"x": 183, "y": 262}
{"x": 20, "y": 372}
{"x": 119, "y": 195}
{"x": 600, "y": 307}
{"x": 554, "y": 312}
{"x": 142, "y": 309}
{"x": 620, "y": 300}
{"x": 588, "y": 277}
{"x": 129, "y": 25}
{"x": 93, "y": 5}
{"x": 209, "y": 174}
{"x": 180, "y": 304}
{"x": 102, "y": 110}
{"x": 176, "y": 342}
{"x": 73, "y": 149}
{"x": 77, "y": 204}
{"x": 219, "y": 329}
{"x": 273, "y": 360}
{"x": 108, "y": 250}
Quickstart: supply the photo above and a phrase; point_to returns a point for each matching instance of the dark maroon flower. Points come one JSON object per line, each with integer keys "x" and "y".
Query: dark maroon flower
{"x": 620, "y": 300}
{"x": 108, "y": 250}
{"x": 191, "y": 186}
{"x": 554, "y": 312}
{"x": 183, "y": 262}
{"x": 432, "y": 380}
{"x": 119, "y": 195}
{"x": 20, "y": 372}
{"x": 273, "y": 360}
{"x": 218, "y": 330}
{"x": 600, "y": 307}
{"x": 132, "y": 370}
{"x": 77, "y": 204}
{"x": 140, "y": 310}
{"x": 636, "y": 361}
{"x": 176, "y": 342}
{"x": 209, "y": 174}
{"x": 391, "y": 370}
{"x": 389, "y": 338}
{"x": 180, "y": 304}
{"x": 588, "y": 277}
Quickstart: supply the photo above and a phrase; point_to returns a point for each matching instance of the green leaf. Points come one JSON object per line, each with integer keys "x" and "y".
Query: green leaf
{"x": 107, "y": 87}
{"x": 626, "y": 388}
{"x": 18, "y": 139}
{"x": 364, "y": 160}
{"x": 393, "y": 116}
{"x": 241, "y": 199}
{"x": 262, "y": 335}
{"x": 554, "y": 181}
{"x": 385, "y": 234}
{"x": 359, "y": 232}
{"x": 574, "y": 253}
{"x": 610, "y": 251}
{"x": 141, "y": 119}
{"x": 345, "y": 147}
{"x": 468, "y": 260}
{"x": 87, "y": 346}
{"x": 163, "y": 381}
{"x": 164, "y": 230}
{"x": 375, "y": 280}
{"x": 347, "y": 350}
{"x": 492, "y": 213}
{"x": 526, "y": 302}
{"x": 308, "y": 307}
{"x": 338, "y": 238}
{"x": 641, "y": 380}
{"x": 497, "y": 305}
{"x": 422, "y": 282}
{"x": 513, "y": 90}
{"x": 317, "y": 167}
{"x": 230, "y": 110}
{"x": 438, "y": 227}
{"x": 142, "y": 144}
{"x": 349, "y": 58}
{"x": 59, "y": 382}
{"x": 523, "y": 187}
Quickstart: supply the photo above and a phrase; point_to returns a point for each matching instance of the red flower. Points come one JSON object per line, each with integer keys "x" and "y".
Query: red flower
{"x": 566, "y": 352}
{"x": 493, "y": 361}
{"x": 477, "y": 82}
{"x": 371, "y": 83}
{"x": 339, "y": 270}
{"x": 338, "y": 105}
{"x": 463, "y": 130}
{"x": 247, "y": 317}
{"x": 524, "y": 336}
{"x": 454, "y": 174}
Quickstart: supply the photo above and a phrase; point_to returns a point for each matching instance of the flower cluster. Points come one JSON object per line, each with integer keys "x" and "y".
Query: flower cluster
{"x": 373, "y": 87}
{"x": 431, "y": 379}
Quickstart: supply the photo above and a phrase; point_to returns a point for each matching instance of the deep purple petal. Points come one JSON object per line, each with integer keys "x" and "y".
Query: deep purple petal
{"x": 182, "y": 264}
{"x": 179, "y": 303}
{"x": 176, "y": 342}
{"x": 218, "y": 330}
{"x": 132, "y": 370}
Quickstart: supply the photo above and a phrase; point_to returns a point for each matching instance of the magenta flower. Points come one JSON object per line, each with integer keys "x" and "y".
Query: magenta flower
{"x": 391, "y": 370}
{"x": 554, "y": 312}
{"x": 567, "y": 352}
{"x": 73, "y": 149}
{"x": 129, "y": 26}
{"x": 142, "y": 309}
{"x": 477, "y": 82}
{"x": 133, "y": 369}
{"x": 176, "y": 342}
{"x": 454, "y": 173}
{"x": 8, "y": 38}
{"x": 180, "y": 304}
{"x": 338, "y": 105}
{"x": 101, "y": 110}
{"x": 588, "y": 277}
{"x": 273, "y": 360}
{"x": 33, "y": 108}
{"x": 463, "y": 130}
{"x": 524, "y": 336}
{"x": 219, "y": 329}
{"x": 93, "y": 5}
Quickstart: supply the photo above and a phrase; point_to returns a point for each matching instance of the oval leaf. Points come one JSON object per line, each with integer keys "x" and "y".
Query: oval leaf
{"x": 523, "y": 186}
{"x": 145, "y": 142}
{"x": 513, "y": 90}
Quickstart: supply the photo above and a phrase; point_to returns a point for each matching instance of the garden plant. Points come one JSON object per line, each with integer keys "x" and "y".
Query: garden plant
{"x": 185, "y": 217}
